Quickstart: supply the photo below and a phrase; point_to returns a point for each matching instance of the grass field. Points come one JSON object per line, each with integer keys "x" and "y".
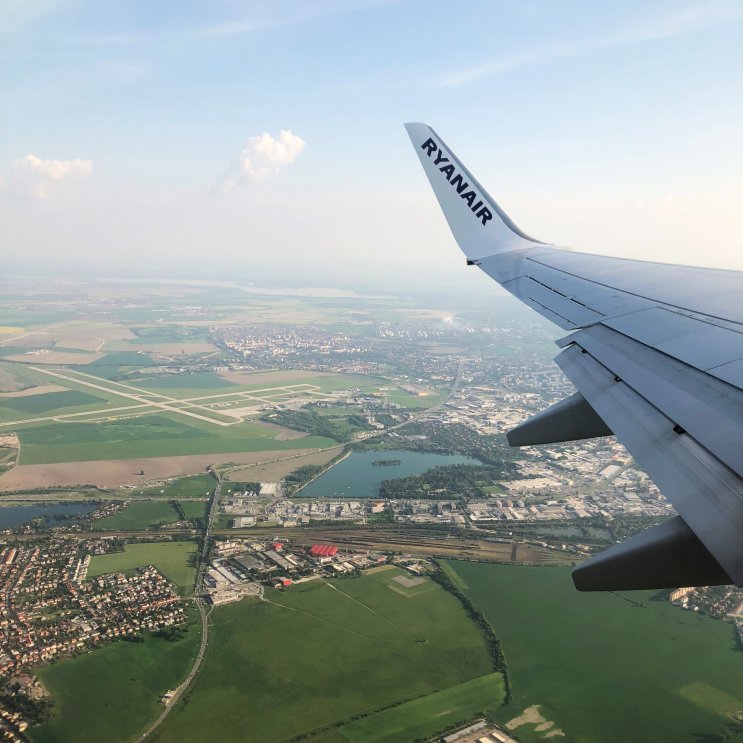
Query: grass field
{"x": 320, "y": 654}
{"x": 49, "y": 402}
{"x": 428, "y": 715}
{"x": 183, "y": 386}
{"x": 416, "y": 401}
{"x": 112, "y": 693}
{"x": 196, "y": 383}
{"x": 115, "y": 365}
{"x": 194, "y": 509}
{"x": 608, "y": 668}
{"x": 172, "y": 559}
{"x": 148, "y": 436}
{"x": 144, "y": 514}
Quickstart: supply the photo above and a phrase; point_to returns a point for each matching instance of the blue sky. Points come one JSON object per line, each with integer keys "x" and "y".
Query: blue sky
{"x": 611, "y": 127}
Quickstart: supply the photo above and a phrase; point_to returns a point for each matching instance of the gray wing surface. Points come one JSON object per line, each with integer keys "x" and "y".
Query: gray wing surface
{"x": 656, "y": 354}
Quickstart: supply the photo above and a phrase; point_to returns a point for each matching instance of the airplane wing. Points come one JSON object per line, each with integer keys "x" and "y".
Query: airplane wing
{"x": 656, "y": 353}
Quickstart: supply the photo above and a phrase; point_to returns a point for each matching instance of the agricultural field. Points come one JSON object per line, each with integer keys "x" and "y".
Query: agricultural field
{"x": 606, "y": 667}
{"x": 113, "y": 693}
{"x": 425, "y": 716}
{"x": 48, "y": 402}
{"x": 175, "y": 560}
{"x": 117, "y": 365}
{"x": 324, "y": 652}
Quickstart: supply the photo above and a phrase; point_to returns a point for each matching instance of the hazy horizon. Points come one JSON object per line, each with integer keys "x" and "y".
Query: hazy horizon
{"x": 239, "y": 140}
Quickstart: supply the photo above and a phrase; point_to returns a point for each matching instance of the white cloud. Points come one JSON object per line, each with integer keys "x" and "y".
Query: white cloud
{"x": 262, "y": 157}
{"x": 36, "y": 177}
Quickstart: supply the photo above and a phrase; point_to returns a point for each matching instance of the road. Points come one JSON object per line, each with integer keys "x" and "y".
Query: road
{"x": 203, "y": 614}
{"x": 422, "y": 414}
{"x": 198, "y": 584}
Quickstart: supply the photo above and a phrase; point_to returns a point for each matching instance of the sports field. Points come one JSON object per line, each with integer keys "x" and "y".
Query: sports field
{"x": 321, "y": 653}
{"x": 605, "y": 667}
{"x": 112, "y": 693}
{"x": 427, "y": 715}
{"x": 173, "y": 559}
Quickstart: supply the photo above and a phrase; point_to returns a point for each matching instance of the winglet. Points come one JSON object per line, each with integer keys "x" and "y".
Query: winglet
{"x": 480, "y": 227}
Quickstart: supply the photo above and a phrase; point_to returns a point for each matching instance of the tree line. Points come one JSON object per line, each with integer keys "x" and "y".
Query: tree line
{"x": 495, "y": 648}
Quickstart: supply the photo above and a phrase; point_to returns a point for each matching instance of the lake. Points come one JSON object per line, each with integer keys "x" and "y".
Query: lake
{"x": 12, "y": 517}
{"x": 357, "y": 476}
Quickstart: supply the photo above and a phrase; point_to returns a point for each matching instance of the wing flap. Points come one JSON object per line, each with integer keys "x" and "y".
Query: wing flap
{"x": 707, "y": 494}
{"x": 708, "y": 409}
{"x": 701, "y": 344}
{"x": 665, "y": 556}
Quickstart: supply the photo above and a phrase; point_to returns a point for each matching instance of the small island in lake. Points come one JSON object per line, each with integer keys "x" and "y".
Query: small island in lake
{"x": 386, "y": 462}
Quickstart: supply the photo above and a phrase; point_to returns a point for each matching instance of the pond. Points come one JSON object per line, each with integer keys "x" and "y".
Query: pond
{"x": 52, "y": 514}
{"x": 360, "y": 474}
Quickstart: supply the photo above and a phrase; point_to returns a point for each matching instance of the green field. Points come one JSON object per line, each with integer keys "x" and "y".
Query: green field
{"x": 112, "y": 693}
{"x": 147, "y": 428}
{"x": 415, "y": 401}
{"x": 146, "y": 514}
{"x": 116, "y": 365}
{"x": 48, "y": 402}
{"x": 151, "y": 435}
{"x": 173, "y": 559}
{"x": 169, "y": 334}
{"x": 184, "y": 386}
{"x": 197, "y": 383}
{"x": 428, "y": 715}
{"x": 194, "y": 509}
{"x": 604, "y": 667}
{"x": 321, "y": 654}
